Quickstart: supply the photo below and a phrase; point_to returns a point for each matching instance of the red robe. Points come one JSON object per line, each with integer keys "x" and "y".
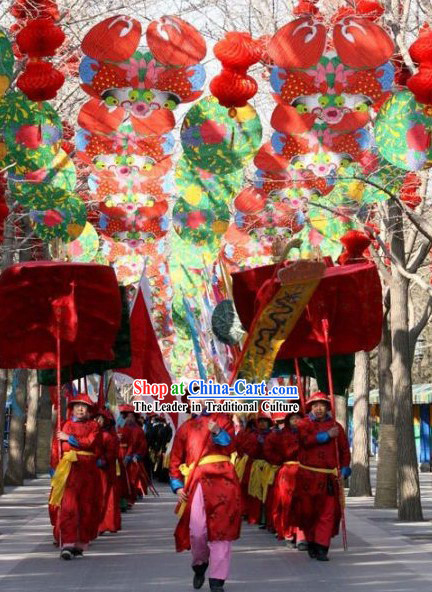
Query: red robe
{"x": 110, "y": 510}
{"x": 221, "y": 489}
{"x": 312, "y": 488}
{"x": 136, "y": 469}
{"x": 253, "y": 446}
{"x": 125, "y": 436}
{"x": 281, "y": 447}
{"x": 76, "y": 521}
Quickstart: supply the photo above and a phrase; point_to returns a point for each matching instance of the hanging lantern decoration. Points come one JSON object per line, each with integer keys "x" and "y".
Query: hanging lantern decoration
{"x": 40, "y": 38}
{"x": 421, "y": 52}
{"x": 233, "y": 87}
{"x": 40, "y": 81}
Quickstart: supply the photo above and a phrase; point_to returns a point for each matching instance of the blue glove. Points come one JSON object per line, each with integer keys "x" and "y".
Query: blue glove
{"x": 127, "y": 460}
{"x": 222, "y": 438}
{"x": 73, "y": 441}
{"x": 137, "y": 457}
{"x": 51, "y": 472}
{"x": 323, "y": 437}
{"x": 346, "y": 472}
{"x": 100, "y": 463}
{"x": 176, "y": 484}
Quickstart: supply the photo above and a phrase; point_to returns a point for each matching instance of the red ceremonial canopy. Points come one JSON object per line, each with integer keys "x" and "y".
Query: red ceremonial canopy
{"x": 38, "y": 299}
{"x": 349, "y": 297}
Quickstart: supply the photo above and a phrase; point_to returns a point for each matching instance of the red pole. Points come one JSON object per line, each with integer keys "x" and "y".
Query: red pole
{"x": 325, "y": 325}
{"x": 299, "y": 384}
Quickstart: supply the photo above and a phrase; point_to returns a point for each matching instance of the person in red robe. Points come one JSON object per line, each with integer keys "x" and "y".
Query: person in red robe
{"x": 76, "y": 487}
{"x": 108, "y": 463}
{"x": 208, "y": 490}
{"x": 253, "y": 446}
{"x": 133, "y": 448}
{"x": 245, "y": 461}
{"x": 323, "y": 450}
{"x": 282, "y": 448}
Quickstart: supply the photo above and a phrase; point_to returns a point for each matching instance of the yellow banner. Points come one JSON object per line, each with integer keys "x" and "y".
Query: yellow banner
{"x": 274, "y": 323}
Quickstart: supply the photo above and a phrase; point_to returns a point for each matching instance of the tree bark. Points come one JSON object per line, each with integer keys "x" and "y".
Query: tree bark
{"x": 44, "y": 432}
{"x": 386, "y": 486}
{"x": 341, "y": 405}
{"x": 3, "y": 394}
{"x": 31, "y": 426}
{"x": 360, "y": 478}
{"x": 409, "y": 500}
{"x": 15, "y": 468}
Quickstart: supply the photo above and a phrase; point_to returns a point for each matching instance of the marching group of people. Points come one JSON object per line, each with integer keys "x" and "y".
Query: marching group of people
{"x": 283, "y": 473}
{"x": 99, "y": 469}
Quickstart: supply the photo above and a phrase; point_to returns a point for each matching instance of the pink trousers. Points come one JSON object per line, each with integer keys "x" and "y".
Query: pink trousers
{"x": 216, "y": 553}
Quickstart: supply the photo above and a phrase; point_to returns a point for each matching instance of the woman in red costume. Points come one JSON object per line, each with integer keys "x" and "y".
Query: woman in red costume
{"x": 108, "y": 463}
{"x": 76, "y": 488}
{"x": 317, "y": 498}
{"x": 253, "y": 445}
{"x": 209, "y": 495}
{"x": 282, "y": 448}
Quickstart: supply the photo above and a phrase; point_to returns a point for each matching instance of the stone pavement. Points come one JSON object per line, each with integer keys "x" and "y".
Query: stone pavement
{"x": 383, "y": 554}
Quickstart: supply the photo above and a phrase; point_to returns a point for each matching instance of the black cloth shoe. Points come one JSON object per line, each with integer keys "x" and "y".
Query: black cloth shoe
{"x": 302, "y": 546}
{"x": 66, "y": 554}
{"x": 312, "y": 550}
{"x": 216, "y": 585}
{"x": 322, "y": 553}
{"x": 290, "y": 543}
{"x": 77, "y": 552}
{"x": 199, "y": 577}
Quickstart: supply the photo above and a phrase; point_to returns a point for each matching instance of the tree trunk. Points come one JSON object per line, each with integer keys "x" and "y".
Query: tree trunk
{"x": 3, "y": 393}
{"x": 44, "y": 431}
{"x": 31, "y": 425}
{"x": 15, "y": 469}
{"x": 409, "y": 500}
{"x": 360, "y": 478}
{"x": 341, "y": 405}
{"x": 386, "y": 486}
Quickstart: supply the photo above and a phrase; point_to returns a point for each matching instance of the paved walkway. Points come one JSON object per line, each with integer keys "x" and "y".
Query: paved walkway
{"x": 383, "y": 554}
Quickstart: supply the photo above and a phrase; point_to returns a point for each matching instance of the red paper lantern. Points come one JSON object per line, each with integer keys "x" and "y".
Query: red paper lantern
{"x": 31, "y": 9}
{"x": 421, "y": 84}
{"x": 355, "y": 243}
{"x": 40, "y": 38}
{"x": 232, "y": 88}
{"x": 40, "y": 81}
{"x": 237, "y": 52}
{"x": 421, "y": 50}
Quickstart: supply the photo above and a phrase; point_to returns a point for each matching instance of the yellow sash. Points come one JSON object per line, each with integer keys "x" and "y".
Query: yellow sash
{"x": 316, "y": 470}
{"x": 118, "y": 469}
{"x": 268, "y": 477}
{"x": 240, "y": 466}
{"x": 58, "y": 482}
{"x": 291, "y": 462}
{"x": 186, "y": 470}
{"x": 166, "y": 460}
